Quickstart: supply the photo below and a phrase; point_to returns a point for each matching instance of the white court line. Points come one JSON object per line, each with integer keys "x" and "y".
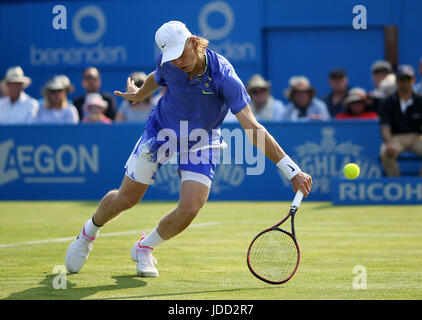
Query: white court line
{"x": 110, "y": 234}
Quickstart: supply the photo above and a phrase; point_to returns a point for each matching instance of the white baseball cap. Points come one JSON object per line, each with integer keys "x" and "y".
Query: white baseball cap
{"x": 171, "y": 38}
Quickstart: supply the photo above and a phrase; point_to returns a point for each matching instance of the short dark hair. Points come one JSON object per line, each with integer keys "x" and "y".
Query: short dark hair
{"x": 338, "y": 73}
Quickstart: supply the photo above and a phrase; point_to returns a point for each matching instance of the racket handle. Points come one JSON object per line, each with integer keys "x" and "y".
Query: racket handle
{"x": 298, "y": 199}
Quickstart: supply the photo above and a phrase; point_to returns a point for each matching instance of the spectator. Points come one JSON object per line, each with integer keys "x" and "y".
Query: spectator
{"x": 18, "y": 107}
{"x": 339, "y": 82}
{"x": 263, "y": 104}
{"x": 380, "y": 69}
{"x": 304, "y": 105}
{"x": 56, "y": 107}
{"x": 401, "y": 122}
{"x": 69, "y": 86}
{"x": 418, "y": 86}
{"x": 140, "y": 111}
{"x": 357, "y": 105}
{"x": 91, "y": 82}
{"x": 94, "y": 108}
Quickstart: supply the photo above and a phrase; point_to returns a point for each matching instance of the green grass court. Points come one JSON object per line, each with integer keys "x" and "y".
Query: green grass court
{"x": 208, "y": 260}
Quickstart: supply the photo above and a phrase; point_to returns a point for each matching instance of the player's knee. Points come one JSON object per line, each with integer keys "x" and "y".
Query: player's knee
{"x": 189, "y": 211}
{"x": 127, "y": 201}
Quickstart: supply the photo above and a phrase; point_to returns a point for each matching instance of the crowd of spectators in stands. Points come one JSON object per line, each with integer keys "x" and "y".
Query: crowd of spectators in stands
{"x": 395, "y": 101}
{"x": 55, "y": 107}
{"x": 95, "y": 105}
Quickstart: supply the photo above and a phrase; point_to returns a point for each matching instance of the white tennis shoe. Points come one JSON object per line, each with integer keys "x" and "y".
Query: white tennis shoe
{"x": 145, "y": 261}
{"x": 78, "y": 252}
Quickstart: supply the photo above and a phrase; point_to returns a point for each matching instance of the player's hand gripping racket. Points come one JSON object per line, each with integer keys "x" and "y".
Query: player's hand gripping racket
{"x": 273, "y": 255}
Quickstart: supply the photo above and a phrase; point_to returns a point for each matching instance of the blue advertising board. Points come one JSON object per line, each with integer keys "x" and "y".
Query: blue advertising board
{"x": 377, "y": 191}
{"x": 118, "y": 37}
{"x": 49, "y": 162}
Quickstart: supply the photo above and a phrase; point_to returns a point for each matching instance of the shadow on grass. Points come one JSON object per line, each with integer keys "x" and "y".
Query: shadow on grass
{"x": 173, "y": 294}
{"x": 324, "y": 206}
{"x": 47, "y": 292}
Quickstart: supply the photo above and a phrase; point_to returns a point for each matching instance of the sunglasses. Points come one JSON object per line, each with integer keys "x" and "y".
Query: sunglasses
{"x": 54, "y": 91}
{"x": 404, "y": 78}
{"x": 376, "y": 72}
{"x": 258, "y": 91}
{"x": 90, "y": 78}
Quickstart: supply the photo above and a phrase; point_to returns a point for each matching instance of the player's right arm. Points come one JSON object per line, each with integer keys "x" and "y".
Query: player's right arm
{"x": 273, "y": 151}
{"x": 135, "y": 94}
{"x": 237, "y": 99}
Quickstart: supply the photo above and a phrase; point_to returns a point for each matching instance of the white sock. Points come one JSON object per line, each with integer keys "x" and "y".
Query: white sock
{"x": 91, "y": 230}
{"x": 152, "y": 240}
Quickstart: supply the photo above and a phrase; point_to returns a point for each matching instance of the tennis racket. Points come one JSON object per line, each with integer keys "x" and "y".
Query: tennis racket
{"x": 273, "y": 255}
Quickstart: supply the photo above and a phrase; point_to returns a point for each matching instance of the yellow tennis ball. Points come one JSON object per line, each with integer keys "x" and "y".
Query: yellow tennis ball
{"x": 351, "y": 171}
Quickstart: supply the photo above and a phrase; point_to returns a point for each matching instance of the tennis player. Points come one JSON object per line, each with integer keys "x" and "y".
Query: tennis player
{"x": 201, "y": 87}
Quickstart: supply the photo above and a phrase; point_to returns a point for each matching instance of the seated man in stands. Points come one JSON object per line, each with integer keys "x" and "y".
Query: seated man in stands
{"x": 401, "y": 122}
{"x": 263, "y": 105}
{"x": 303, "y": 104}
{"x": 356, "y": 106}
{"x": 17, "y": 107}
{"x": 380, "y": 70}
{"x": 339, "y": 82}
{"x": 91, "y": 81}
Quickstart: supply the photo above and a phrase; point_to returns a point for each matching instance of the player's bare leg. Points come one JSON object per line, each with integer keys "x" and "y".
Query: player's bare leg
{"x": 116, "y": 201}
{"x": 112, "y": 204}
{"x": 193, "y": 196}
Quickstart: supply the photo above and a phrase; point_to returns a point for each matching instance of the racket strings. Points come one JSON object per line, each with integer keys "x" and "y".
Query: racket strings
{"x": 273, "y": 256}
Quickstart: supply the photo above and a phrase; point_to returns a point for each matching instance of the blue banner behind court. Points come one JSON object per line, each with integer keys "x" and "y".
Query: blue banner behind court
{"x": 118, "y": 37}
{"x": 85, "y": 161}
{"x": 377, "y": 191}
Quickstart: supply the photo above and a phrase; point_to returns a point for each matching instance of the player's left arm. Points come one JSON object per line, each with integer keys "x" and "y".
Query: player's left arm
{"x": 272, "y": 150}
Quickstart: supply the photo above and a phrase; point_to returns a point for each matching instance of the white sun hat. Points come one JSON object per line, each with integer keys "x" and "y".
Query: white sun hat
{"x": 94, "y": 99}
{"x": 171, "y": 38}
{"x": 16, "y": 75}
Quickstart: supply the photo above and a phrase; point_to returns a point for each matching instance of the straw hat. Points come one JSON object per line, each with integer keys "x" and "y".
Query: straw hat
{"x": 69, "y": 86}
{"x": 299, "y": 83}
{"x": 257, "y": 81}
{"x": 16, "y": 75}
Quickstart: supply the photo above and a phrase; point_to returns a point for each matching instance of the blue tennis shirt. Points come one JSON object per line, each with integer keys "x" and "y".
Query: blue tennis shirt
{"x": 201, "y": 102}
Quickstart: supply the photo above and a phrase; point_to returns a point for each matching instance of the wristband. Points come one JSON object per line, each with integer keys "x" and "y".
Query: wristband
{"x": 288, "y": 167}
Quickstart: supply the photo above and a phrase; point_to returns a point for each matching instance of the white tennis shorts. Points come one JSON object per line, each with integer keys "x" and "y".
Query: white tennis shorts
{"x": 144, "y": 162}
